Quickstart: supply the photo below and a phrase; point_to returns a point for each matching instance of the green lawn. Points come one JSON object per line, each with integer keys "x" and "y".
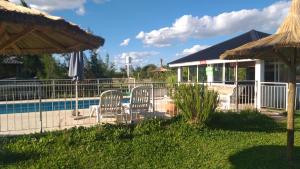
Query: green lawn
{"x": 243, "y": 141}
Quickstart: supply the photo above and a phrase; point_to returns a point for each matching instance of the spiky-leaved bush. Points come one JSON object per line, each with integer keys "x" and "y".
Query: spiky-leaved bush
{"x": 196, "y": 103}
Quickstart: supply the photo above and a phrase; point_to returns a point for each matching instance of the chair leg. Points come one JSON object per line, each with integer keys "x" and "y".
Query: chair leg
{"x": 131, "y": 120}
{"x": 91, "y": 111}
{"x": 98, "y": 115}
{"x": 123, "y": 115}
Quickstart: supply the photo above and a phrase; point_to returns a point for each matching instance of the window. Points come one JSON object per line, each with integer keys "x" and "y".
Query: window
{"x": 185, "y": 73}
{"x": 218, "y": 73}
{"x": 202, "y": 74}
{"x": 193, "y": 74}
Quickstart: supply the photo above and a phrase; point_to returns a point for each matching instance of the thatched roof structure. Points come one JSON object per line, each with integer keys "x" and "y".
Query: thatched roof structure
{"x": 30, "y": 31}
{"x": 161, "y": 68}
{"x": 287, "y": 36}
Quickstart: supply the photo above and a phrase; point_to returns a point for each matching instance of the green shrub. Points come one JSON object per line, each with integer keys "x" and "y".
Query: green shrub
{"x": 196, "y": 103}
{"x": 122, "y": 133}
{"x": 114, "y": 132}
{"x": 148, "y": 126}
{"x": 246, "y": 120}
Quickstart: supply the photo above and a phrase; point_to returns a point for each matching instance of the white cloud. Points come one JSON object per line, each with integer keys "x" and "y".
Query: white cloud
{"x": 194, "y": 49}
{"x": 80, "y": 11}
{"x": 188, "y": 26}
{"x": 138, "y": 58}
{"x": 125, "y": 42}
{"x": 55, "y": 5}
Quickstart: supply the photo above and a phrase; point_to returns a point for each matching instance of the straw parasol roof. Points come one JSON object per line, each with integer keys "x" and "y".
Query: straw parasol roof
{"x": 30, "y": 31}
{"x": 161, "y": 68}
{"x": 287, "y": 36}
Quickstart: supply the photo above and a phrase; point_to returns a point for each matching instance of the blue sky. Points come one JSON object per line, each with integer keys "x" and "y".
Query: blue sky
{"x": 167, "y": 29}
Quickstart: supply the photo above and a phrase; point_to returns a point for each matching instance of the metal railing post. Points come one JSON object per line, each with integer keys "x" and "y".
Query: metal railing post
{"x": 40, "y": 109}
{"x": 237, "y": 87}
{"x": 286, "y": 96}
{"x": 256, "y": 98}
{"x": 153, "y": 104}
{"x": 53, "y": 89}
{"x": 134, "y": 82}
{"x": 98, "y": 86}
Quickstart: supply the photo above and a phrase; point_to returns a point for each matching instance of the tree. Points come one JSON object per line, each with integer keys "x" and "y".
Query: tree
{"x": 137, "y": 73}
{"x": 51, "y": 69}
{"x": 95, "y": 67}
{"x": 147, "y": 71}
{"x": 107, "y": 60}
{"x": 109, "y": 67}
{"x": 32, "y": 66}
{"x": 123, "y": 72}
{"x": 111, "y": 70}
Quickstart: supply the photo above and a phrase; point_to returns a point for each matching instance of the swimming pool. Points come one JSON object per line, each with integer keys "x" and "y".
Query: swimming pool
{"x": 48, "y": 106}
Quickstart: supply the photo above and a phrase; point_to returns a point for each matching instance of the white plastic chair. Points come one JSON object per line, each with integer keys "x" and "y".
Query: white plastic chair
{"x": 110, "y": 104}
{"x": 139, "y": 100}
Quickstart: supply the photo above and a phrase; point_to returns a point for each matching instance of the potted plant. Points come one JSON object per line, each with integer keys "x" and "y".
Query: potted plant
{"x": 170, "y": 104}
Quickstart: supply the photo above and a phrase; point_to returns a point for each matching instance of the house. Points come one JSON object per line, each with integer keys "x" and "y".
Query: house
{"x": 206, "y": 67}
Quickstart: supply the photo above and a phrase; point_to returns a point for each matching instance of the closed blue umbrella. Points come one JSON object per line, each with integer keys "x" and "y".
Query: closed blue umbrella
{"x": 76, "y": 69}
{"x": 76, "y": 66}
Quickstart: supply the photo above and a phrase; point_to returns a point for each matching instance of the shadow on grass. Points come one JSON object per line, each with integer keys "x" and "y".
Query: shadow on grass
{"x": 297, "y": 121}
{"x": 264, "y": 157}
{"x": 245, "y": 121}
{"x": 8, "y": 157}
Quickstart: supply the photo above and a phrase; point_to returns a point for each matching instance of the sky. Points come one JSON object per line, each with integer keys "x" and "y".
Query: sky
{"x": 148, "y": 30}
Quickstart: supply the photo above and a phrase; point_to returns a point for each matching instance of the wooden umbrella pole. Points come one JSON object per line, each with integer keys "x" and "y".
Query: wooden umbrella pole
{"x": 76, "y": 108}
{"x": 291, "y": 108}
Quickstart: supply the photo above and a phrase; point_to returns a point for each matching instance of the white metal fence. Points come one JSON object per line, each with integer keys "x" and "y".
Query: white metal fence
{"x": 33, "y": 106}
{"x": 274, "y": 95}
{"x": 46, "y": 89}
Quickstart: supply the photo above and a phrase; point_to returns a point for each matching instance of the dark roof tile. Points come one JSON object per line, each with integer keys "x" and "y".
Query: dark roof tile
{"x": 215, "y": 51}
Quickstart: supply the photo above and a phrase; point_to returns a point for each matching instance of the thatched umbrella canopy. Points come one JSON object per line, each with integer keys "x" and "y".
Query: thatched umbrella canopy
{"x": 283, "y": 45}
{"x": 161, "y": 68}
{"x": 30, "y": 31}
{"x": 26, "y": 31}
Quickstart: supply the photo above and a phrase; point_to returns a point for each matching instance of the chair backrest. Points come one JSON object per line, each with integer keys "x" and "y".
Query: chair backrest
{"x": 111, "y": 102}
{"x": 140, "y": 98}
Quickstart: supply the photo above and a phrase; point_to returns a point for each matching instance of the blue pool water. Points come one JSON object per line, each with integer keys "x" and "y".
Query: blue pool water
{"x": 48, "y": 106}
